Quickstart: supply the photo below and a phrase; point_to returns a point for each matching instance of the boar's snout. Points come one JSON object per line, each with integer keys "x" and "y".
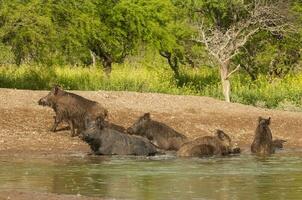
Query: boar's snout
{"x": 236, "y": 150}
{"x": 85, "y": 136}
{"x": 87, "y": 139}
{"x": 42, "y": 102}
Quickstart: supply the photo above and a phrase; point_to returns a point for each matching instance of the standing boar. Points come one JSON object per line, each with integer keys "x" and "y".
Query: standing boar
{"x": 71, "y": 108}
{"x": 263, "y": 140}
{"x": 105, "y": 141}
{"x": 219, "y": 144}
{"x": 158, "y": 133}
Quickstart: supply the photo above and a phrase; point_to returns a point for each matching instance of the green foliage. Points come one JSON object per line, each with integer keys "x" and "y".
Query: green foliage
{"x": 42, "y": 36}
{"x": 266, "y": 94}
{"x": 25, "y": 27}
{"x": 66, "y": 31}
{"x": 281, "y": 93}
{"x": 274, "y": 56}
{"x": 220, "y": 13}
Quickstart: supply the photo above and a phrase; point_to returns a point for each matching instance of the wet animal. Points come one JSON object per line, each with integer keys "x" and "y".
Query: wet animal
{"x": 106, "y": 141}
{"x": 219, "y": 144}
{"x": 263, "y": 139}
{"x": 158, "y": 133}
{"x": 278, "y": 143}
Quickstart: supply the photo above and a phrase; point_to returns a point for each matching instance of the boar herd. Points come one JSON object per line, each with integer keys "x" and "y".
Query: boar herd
{"x": 146, "y": 137}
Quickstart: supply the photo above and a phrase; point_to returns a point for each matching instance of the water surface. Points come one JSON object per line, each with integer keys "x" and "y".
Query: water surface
{"x": 161, "y": 177}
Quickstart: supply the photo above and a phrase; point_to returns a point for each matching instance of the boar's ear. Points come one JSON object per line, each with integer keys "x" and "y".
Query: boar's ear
{"x": 56, "y": 88}
{"x": 146, "y": 116}
{"x": 103, "y": 124}
{"x": 269, "y": 121}
{"x": 220, "y": 134}
{"x": 223, "y": 136}
{"x": 106, "y": 115}
{"x": 100, "y": 122}
{"x": 259, "y": 119}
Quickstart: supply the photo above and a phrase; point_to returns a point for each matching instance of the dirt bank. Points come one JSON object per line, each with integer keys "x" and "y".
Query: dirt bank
{"x": 24, "y": 124}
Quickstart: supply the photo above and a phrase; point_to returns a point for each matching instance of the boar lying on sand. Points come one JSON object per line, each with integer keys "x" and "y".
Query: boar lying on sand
{"x": 263, "y": 140}
{"x": 106, "y": 141}
{"x": 219, "y": 144}
{"x": 158, "y": 133}
{"x": 71, "y": 108}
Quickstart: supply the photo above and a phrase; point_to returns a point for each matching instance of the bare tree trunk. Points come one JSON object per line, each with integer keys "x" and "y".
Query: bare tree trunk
{"x": 226, "y": 85}
{"x": 173, "y": 62}
{"x": 107, "y": 64}
{"x": 224, "y": 45}
{"x": 174, "y": 65}
{"x": 93, "y": 58}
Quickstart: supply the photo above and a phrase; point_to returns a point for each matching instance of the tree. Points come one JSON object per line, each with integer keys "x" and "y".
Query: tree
{"x": 116, "y": 29}
{"x": 177, "y": 46}
{"x": 107, "y": 30}
{"x": 26, "y": 27}
{"x": 74, "y": 22}
{"x": 179, "y": 49}
{"x": 271, "y": 55}
{"x": 226, "y": 26}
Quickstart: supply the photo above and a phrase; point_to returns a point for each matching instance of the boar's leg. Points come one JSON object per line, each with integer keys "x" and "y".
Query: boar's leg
{"x": 57, "y": 121}
{"x": 72, "y": 129}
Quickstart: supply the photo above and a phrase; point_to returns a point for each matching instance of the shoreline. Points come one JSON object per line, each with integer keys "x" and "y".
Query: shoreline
{"x": 24, "y": 125}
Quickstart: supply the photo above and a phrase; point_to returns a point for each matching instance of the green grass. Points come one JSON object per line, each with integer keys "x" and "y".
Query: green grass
{"x": 282, "y": 93}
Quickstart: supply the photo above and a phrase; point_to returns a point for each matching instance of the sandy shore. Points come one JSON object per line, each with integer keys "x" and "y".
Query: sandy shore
{"x": 25, "y": 125}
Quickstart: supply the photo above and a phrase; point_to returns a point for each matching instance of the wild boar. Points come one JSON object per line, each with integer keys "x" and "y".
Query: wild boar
{"x": 219, "y": 144}
{"x": 278, "y": 143}
{"x": 158, "y": 133}
{"x": 106, "y": 141}
{"x": 263, "y": 139}
{"x": 71, "y": 108}
{"x": 114, "y": 126}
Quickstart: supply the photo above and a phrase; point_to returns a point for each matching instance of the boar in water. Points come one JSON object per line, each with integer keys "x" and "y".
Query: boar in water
{"x": 219, "y": 144}
{"x": 71, "y": 108}
{"x": 278, "y": 143}
{"x": 158, "y": 133}
{"x": 263, "y": 139}
{"x": 106, "y": 141}
{"x": 115, "y": 127}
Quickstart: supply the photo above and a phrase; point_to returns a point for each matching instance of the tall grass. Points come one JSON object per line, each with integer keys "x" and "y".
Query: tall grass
{"x": 282, "y": 93}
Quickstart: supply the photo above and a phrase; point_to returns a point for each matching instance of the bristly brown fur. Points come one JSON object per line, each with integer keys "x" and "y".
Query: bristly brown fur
{"x": 263, "y": 140}
{"x": 278, "y": 143}
{"x": 158, "y": 133}
{"x": 219, "y": 144}
{"x": 71, "y": 108}
{"x": 106, "y": 141}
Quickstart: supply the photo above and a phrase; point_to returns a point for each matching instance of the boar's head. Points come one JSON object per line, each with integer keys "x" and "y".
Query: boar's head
{"x": 263, "y": 122}
{"x": 139, "y": 126}
{"x": 263, "y": 129}
{"x": 51, "y": 98}
{"x": 91, "y": 137}
{"x": 93, "y": 128}
{"x": 224, "y": 139}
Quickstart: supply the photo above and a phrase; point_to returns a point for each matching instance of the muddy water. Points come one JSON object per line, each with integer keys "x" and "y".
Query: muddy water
{"x": 162, "y": 177}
